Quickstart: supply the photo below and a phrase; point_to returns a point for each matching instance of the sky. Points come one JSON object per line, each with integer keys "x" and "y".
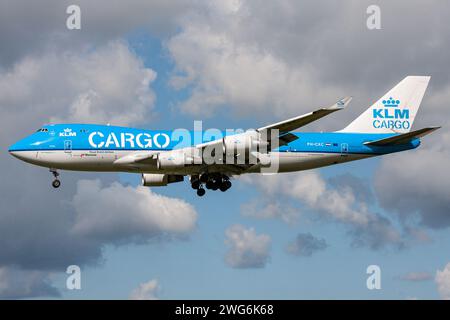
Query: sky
{"x": 232, "y": 64}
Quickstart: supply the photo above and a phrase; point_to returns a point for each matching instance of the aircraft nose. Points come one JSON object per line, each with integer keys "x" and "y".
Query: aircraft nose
{"x": 17, "y": 150}
{"x": 14, "y": 151}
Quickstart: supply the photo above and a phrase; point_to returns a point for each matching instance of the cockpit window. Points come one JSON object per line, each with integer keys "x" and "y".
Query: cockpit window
{"x": 42, "y": 130}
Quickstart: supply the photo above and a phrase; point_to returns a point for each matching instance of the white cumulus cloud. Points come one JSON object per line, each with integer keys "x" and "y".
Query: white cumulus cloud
{"x": 106, "y": 85}
{"x": 146, "y": 291}
{"x": 442, "y": 280}
{"x": 247, "y": 249}
{"x": 118, "y": 213}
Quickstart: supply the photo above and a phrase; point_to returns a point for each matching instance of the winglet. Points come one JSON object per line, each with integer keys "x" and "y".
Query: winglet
{"x": 342, "y": 103}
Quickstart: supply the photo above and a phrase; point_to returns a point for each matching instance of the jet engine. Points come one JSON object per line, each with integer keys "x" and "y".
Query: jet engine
{"x": 174, "y": 159}
{"x": 243, "y": 143}
{"x": 159, "y": 180}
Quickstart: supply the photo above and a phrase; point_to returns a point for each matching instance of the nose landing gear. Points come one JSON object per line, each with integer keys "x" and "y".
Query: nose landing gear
{"x": 56, "y": 183}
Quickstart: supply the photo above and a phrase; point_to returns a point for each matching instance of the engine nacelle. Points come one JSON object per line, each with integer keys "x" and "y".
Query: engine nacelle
{"x": 159, "y": 180}
{"x": 243, "y": 143}
{"x": 173, "y": 159}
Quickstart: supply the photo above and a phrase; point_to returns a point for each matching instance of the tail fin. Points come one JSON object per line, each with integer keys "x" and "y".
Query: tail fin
{"x": 395, "y": 111}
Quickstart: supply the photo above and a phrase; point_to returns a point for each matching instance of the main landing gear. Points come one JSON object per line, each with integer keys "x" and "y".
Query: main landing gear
{"x": 210, "y": 181}
{"x": 56, "y": 183}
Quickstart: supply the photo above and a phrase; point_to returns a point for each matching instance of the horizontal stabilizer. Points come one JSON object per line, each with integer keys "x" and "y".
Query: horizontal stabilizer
{"x": 402, "y": 138}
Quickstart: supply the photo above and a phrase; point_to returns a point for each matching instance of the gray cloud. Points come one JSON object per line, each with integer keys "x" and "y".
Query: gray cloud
{"x": 362, "y": 187}
{"x": 31, "y": 28}
{"x": 305, "y": 244}
{"x": 317, "y": 195}
{"x": 247, "y": 249}
{"x": 16, "y": 284}
{"x": 416, "y": 188}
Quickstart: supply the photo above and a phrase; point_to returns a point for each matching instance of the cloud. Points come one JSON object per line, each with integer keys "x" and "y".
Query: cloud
{"x": 225, "y": 66}
{"x": 342, "y": 205}
{"x": 45, "y": 231}
{"x": 416, "y": 276}
{"x": 442, "y": 280}
{"x": 16, "y": 283}
{"x": 117, "y": 213}
{"x": 107, "y": 85}
{"x": 30, "y": 28}
{"x": 286, "y": 57}
{"x": 348, "y": 180}
{"x": 305, "y": 244}
{"x": 415, "y": 186}
{"x": 246, "y": 248}
{"x": 268, "y": 210}
{"x": 146, "y": 291}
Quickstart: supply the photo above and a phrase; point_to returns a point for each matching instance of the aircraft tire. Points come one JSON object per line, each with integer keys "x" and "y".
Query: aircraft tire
{"x": 56, "y": 183}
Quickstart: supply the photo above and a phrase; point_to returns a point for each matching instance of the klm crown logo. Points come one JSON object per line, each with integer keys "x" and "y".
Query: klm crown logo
{"x": 391, "y": 103}
{"x": 67, "y": 132}
{"x": 387, "y": 117}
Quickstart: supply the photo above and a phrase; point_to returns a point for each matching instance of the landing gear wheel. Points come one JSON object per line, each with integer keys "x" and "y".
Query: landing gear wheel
{"x": 225, "y": 185}
{"x": 201, "y": 192}
{"x": 204, "y": 178}
{"x": 195, "y": 184}
{"x": 56, "y": 183}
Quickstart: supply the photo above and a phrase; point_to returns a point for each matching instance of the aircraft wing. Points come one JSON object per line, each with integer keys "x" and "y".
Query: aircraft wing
{"x": 137, "y": 158}
{"x": 284, "y": 138}
{"x": 402, "y": 138}
{"x": 300, "y": 121}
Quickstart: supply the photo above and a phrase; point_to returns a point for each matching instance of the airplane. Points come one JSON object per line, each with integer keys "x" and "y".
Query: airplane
{"x": 162, "y": 157}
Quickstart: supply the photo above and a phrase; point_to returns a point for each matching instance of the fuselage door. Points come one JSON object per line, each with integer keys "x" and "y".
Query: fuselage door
{"x": 67, "y": 146}
{"x": 344, "y": 149}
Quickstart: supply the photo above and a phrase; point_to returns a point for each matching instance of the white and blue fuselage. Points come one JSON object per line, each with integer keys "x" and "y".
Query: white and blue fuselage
{"x": 84, "y": 147}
